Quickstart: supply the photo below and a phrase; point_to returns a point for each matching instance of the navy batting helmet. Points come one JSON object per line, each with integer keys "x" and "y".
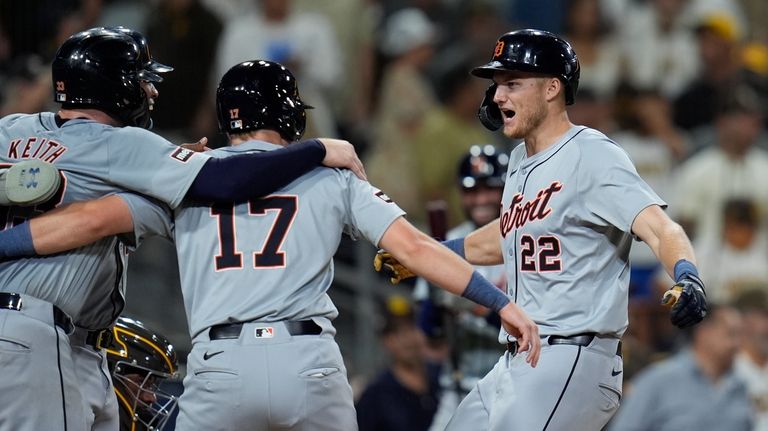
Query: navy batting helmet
{"x": 150, "y": 67}
{"x": 139, "y": 359}
{"x": 483, "y": 165}
{"x": 535, "y": 51}
{"x": 260, "y": 94}
{"x": 103, "y": 69}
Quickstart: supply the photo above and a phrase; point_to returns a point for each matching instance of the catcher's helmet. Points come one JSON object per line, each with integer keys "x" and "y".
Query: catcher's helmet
{"x": 103, "y": 68}
{"x": 483, "y": 165}
{"x": 139, "y": 359}
{"x": 260, "y": 94}
{"x": 535, "y": 51}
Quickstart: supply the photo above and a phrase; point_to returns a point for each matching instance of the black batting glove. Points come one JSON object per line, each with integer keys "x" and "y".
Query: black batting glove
{"x": 691, "y": 307}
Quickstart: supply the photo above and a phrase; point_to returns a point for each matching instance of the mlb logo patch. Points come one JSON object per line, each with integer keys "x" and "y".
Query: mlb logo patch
{"x": 61, "y": 97}
{"x": 236, "y": 124}
{"x": 182, "y": 154}
{"x": 265, "y": 332}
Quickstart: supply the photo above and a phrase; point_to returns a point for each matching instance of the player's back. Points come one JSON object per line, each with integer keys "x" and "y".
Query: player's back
{"x": 94, "y": 159}
{"x": 271, "y": 259}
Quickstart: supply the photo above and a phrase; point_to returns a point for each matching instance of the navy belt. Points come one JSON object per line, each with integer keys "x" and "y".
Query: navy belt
{"x": 232, "y": 330}
{"x": 575, "y": 340}
{"x": 13, "y": 301}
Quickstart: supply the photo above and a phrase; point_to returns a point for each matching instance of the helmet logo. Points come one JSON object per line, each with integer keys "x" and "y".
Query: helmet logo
{"x": 234, "y": 113}
{"x": 499, "y": 49}
{"x": 59, "y": 85}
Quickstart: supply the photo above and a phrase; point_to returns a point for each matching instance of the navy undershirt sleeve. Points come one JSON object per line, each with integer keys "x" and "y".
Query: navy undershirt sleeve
{"x": 253, "y": 175}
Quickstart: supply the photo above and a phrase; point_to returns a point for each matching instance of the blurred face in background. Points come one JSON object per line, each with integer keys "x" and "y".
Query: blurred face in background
{"x": 406, "y": 344}
{"x": 720, "y": 336}
{"x": 481, "y": 203}
{"x": 737, "y": 131}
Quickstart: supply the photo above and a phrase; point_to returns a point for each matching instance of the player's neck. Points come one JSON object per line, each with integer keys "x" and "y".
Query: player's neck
{"x": 265, "y": 135}
{"x": 547, "y": 134}
{"x": 91, "y": 114}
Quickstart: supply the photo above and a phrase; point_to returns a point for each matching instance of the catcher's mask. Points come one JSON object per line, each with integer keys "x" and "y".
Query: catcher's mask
{"x": 139, "y": 360}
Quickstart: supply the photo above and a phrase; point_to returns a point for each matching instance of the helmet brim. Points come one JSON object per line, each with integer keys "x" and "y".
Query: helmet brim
{"x": 487, "y": 70}
{"x": 159, "y": 67}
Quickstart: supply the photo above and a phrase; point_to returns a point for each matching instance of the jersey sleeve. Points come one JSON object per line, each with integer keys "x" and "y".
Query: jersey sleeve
{"x": 370, "y": 211}
{"x": 150, "y": 218}
{"x": 610, "y": 186}
{"x": 144, "y": 162}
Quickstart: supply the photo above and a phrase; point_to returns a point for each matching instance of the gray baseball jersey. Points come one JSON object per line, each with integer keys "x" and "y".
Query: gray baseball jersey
{"x": 566, "y": 220}
{"x": 265, "y": 262}
{"x": 566, "y": 224}
{"x": 95, "y": 159}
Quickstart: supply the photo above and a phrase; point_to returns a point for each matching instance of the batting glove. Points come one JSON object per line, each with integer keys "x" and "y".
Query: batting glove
{"x": 387, "y": 263}
{"x": 690, "y": 307}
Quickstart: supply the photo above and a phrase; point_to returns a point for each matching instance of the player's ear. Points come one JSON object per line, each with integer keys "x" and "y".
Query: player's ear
{"x": 553, "y": 88}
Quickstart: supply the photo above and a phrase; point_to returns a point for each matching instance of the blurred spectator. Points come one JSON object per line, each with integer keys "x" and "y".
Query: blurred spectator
{"x": 697, "y": 389}
{"x": 593, "y": 111}
{"x": 658, "y": 46}
{"x": 303, "y": 42}
{"x": 737, "y": 259}
{"x": 591, "y": 36}
{"x": 405, "y": 396}
{"x": 752, "y": 361}
{"x": 406, "y": 96}
{"x": 718, "y": 47}
{"x": 735, "y": 167}
{"x": 183, "y": 32}
{"x": 443, "y": 138}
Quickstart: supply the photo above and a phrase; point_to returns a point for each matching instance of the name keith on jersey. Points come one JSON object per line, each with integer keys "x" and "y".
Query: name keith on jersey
{"x": 35, "y": 148}
{"x": 518, "y": 213}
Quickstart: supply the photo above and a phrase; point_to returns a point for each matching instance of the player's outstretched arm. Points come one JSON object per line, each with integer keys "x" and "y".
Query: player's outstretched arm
{"x": 253, "y": 175}
{"x": 67, "y": 227}
{"x": 442, "y": 267}
{"x": 687, "y": 298}
{"x": 483, "y": 246}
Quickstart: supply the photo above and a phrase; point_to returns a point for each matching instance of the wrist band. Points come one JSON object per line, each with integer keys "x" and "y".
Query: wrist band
{"x": 484, "y": 293}
{"x": 17, "y": 241}
{"x": 456, "y": 246}
{"x": 683, "y": 267}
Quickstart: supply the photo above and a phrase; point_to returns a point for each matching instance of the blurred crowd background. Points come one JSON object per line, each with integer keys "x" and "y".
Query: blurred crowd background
{"x": 681, "y": 85}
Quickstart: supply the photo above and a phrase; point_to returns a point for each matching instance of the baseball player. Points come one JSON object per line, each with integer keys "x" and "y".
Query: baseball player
{"x": 139, "y": 359}
{"x": 99, "y": 142}
{"x": 571, "y": 205}
{"x": 255, "y": 275}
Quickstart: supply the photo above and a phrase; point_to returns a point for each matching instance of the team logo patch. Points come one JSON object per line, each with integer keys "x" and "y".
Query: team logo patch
{"x": 264, "y": 332}
{"x": 499, "y": 49}
{"x": 383, "y": 196}
{"x": 182, "y": 154}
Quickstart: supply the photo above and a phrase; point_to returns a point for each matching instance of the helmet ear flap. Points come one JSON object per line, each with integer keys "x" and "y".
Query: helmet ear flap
{"x": 489, "y": 112}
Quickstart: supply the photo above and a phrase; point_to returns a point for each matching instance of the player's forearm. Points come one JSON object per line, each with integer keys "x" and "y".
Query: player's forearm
{"x": 483, "y": 246}
{"x": 439, "y": 265}
{"x": 673, "y": 245}
{"x": 254, "y": 175}
{"x": 80, "y": 223}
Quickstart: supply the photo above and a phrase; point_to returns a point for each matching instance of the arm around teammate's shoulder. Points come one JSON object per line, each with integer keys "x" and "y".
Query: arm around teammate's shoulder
{"x": 253, "y": 175}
